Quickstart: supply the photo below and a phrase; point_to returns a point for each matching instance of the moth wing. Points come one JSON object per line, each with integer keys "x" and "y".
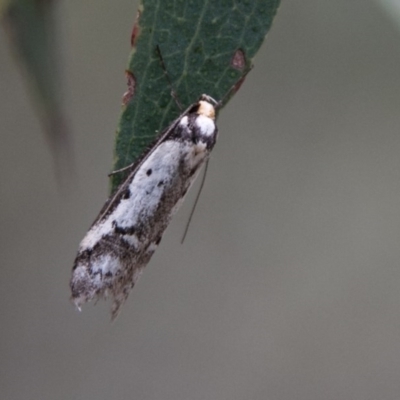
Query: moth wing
{"x": 114, "y": 199}
{"x": 111, "y": 257}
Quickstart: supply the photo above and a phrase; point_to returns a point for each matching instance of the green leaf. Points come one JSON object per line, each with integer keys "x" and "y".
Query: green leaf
{"x": 30, "y": 27}
{"x": 206, "y": 45}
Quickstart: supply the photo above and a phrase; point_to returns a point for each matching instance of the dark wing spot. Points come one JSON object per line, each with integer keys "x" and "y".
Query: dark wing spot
{"x": 158, "y": 240}
{"x": 109, "y": 274}
{"x": 160, "y": 183}
{"x": 94, "y": 273}
{"x": 149, "y": 172}
{"x": 83, "y": 256}
{"x": 128, "y": 230}
{"x": 126, "y": 194}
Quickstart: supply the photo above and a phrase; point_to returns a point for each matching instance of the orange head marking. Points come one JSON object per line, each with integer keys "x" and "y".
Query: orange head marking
{"x": 206, "y": 109}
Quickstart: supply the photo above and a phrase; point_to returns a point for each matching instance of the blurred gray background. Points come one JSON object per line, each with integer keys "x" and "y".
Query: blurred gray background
{"x": 288, "y": 285}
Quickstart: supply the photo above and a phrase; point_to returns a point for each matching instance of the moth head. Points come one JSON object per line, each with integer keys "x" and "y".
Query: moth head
{"x": 206, "y": 106}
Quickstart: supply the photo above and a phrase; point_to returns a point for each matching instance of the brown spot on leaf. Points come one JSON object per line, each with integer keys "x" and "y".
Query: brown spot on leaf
{"x": 127, "y": 97}
{"x": 135, "y": 30}
{"x": 238, "y": 60}
{"x": 239, "y": 84}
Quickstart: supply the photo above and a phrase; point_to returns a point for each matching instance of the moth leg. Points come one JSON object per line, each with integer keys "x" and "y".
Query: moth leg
{"x": 117, "y": 171}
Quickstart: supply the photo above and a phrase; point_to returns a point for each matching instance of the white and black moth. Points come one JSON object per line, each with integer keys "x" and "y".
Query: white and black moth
{"x": 129, "y": 228}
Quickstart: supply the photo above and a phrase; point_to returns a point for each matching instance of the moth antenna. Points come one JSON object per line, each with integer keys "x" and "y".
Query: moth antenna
{"x": 173, "y": 91}
{"x": 218, "y": 104}
{"x": 196, "y": 201}
{"x": 234, "y": 88}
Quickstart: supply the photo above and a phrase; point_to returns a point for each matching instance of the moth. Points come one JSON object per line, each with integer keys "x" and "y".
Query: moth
{"x": 129, "y": 228}
{"x": 122, "y": 239}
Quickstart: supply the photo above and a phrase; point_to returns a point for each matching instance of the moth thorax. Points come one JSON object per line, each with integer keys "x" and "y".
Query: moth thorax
{"x": 206, "y": 109}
